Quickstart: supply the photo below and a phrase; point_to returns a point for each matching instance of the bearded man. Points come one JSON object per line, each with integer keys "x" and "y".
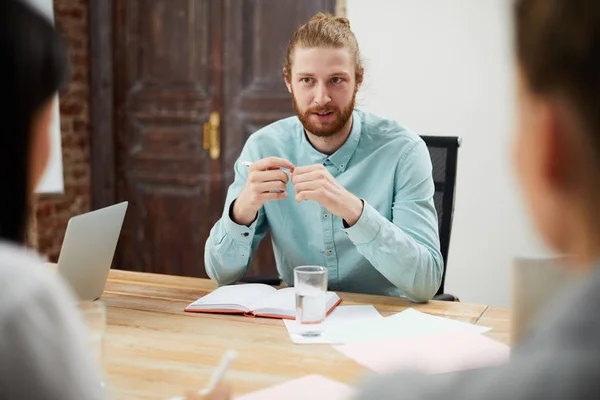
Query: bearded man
{"x": 335, "y": 186}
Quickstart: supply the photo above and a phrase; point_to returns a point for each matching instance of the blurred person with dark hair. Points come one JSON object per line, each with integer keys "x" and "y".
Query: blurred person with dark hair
{"x": 557, "y": 154}
{"x": 43, "y": 349}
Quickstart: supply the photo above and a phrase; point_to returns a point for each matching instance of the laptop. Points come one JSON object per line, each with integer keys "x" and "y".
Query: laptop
{"x": 88, "y": 249}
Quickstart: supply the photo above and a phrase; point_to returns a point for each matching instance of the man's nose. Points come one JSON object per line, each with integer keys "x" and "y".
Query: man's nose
{"x": 322, "y": 95}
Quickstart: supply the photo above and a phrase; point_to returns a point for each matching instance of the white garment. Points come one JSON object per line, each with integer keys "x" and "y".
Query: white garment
{"x": 43, "y": 349}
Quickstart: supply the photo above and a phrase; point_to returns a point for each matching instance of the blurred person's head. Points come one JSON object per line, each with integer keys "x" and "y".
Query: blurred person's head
{"x": 323, "y": 71}
{"x": 557, "y": 146}
{"x": 32, "y": 68}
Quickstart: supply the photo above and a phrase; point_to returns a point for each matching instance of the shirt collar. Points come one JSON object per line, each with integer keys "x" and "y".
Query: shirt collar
{"x": 342, "y": 156}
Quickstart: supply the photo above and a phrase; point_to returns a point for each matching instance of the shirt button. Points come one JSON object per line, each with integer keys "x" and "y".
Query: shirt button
{"x": 341, "y": 165}
{"x": 330, "y": 251}
{"x": 245, "y": 234}
{"x": 325, "y": 216}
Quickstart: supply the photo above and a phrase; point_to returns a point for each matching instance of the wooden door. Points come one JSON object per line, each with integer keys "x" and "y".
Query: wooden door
{"x": 167, "y": 81}
{"x": 159, "y": 68}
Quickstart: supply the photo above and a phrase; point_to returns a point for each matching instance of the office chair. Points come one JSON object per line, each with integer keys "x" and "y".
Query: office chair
{"x": 444, "y": 155}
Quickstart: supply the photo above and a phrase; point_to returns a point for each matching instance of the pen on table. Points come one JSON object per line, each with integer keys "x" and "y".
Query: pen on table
{"x": 218, "y": 374}
{"x": 249, "y": 163}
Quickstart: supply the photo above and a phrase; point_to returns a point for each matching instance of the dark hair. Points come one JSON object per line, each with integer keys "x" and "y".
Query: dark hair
{"x": 558, "y": 49}
{"x": 32, "y": 69}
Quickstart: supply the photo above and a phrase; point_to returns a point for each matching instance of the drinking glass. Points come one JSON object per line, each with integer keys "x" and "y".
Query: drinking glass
{"x": 93, "y": 314}
{"x": 310, "y": 282}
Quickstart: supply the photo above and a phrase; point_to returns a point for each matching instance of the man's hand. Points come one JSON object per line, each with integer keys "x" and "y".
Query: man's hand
{"x": 314, "y": 182}
{"x": 220, "y": 393}
{"x": 266, "y": 182}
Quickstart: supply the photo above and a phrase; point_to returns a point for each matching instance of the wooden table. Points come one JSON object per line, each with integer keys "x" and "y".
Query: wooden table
{"x": 155, "y": 350}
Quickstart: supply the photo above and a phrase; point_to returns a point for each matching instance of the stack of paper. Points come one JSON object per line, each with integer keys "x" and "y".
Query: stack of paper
{"x": 408, "y": 323}
{"x": 434, "y": 353}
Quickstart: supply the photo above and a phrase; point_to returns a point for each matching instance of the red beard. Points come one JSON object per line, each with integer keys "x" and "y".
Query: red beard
{"x": 331, "y": 124}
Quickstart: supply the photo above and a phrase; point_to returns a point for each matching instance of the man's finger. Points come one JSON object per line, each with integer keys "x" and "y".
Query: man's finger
{"x": 307, "y": 195}
{"x": 271, "y": 175}
{"x": 271, "y": 185}
{"x": 308, "y": 168}
{"x": 309, "y": 176}
{"x": 273, "y": 196}
{"x": 271, "y": 163}
{"x": 304, "y": 186}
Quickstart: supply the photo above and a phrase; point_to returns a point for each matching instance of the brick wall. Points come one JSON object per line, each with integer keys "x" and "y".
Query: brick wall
{"x": 53, "y": 211}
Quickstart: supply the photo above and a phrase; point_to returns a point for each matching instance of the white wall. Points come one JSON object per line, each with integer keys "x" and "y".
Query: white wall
{"x": 52, "y": 180}
{"x": 445, "y": 67}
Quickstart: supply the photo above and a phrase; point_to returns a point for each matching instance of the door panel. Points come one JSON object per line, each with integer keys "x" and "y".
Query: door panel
{"x": 166, "y": 88}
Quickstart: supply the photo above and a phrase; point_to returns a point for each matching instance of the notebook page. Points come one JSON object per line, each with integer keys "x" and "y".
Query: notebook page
{"x": 243, "y": 295}
{"x": 283, "y": 301}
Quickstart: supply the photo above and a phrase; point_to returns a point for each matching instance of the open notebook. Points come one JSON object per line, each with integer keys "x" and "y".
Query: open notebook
{"x": 255, "y": 300}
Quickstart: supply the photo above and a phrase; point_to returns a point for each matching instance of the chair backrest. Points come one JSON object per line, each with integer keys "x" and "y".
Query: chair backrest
{"x": 444, "y": 154}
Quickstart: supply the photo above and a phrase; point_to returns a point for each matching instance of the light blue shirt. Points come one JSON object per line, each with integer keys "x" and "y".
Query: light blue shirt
{"x": 393, "y": 249}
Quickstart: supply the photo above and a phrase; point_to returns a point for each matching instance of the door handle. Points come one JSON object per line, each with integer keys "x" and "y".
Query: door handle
{"x": 212, "y": 140}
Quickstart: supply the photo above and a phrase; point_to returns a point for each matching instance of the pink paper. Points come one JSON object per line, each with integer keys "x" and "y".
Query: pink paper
{"x": 433, "y": 354}
{"x": 307, "y": 387}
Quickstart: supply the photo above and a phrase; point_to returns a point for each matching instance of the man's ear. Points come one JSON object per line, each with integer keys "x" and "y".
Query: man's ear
{"x": 287, "y": 79}
{"x": 359, "y": 77}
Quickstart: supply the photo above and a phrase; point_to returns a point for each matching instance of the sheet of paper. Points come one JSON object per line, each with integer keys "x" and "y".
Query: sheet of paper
{"x": 340, "y": 317}
{"x": 407, "y": 323}
{"x": 307, "y": 387}
{"x": 432, "y": 354}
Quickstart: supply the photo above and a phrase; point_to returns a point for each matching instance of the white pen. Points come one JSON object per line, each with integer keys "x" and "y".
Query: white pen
{"x": 249, "y": 163}
{"x": 218, "y": 374}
